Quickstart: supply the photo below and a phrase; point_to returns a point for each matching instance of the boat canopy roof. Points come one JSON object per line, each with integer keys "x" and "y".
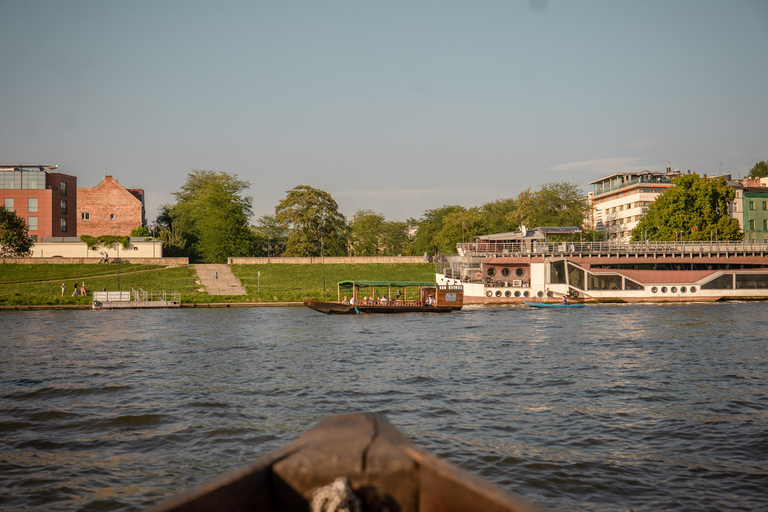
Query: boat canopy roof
{"x": 348, "y": 285}
{"x": 540, "y": 233}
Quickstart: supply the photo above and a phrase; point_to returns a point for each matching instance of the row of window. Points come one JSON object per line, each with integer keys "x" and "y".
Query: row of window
{"x": 628, "y": 206}
{"x": 625, "y": 194}
{"x": 10, "y": 205}
{"x": 752, "y": 205}
{"x": 752, "y": 224}
{"x": 32, "y": 224}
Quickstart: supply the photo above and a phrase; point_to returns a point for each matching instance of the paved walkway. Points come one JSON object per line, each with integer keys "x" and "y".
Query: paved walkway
{"x": 226, "y": 284}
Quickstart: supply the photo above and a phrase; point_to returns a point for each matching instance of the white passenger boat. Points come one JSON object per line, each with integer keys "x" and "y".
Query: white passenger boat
{"x": 527, "y": 265}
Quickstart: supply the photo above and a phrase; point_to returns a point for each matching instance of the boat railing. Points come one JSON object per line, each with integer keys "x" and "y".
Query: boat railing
{"x": 155, "y": 295}
{"x": 501, "y": 249}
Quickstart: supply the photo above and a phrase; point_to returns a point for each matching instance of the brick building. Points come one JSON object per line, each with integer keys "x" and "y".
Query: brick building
{"x": 109, "y": 209}
{"x": 46, "y": 200}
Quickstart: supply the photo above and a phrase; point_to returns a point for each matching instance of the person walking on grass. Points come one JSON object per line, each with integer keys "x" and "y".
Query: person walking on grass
{"x": 62, "y": 289}
{"x": 76, "y": 291}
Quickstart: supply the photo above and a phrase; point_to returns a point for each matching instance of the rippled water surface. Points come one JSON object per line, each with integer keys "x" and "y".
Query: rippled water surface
{"x": 605, "y": 408}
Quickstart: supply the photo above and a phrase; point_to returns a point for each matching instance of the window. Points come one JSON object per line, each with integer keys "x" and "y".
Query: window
{"x": 751, "y": 206}
{"x": 63, "y": 188}
{"x": 751, "y": 224}
{"x": 63, "y": 207}
{"x": 32, "y": 223}
{"x": 111, "y": 216}
{"x": 32, "y": 204}
{"x": 765, "y": 224}
{"x": 63, "y": 225}
{"x": 765, "y": 205}
{"x": 9, "y": 204}
{"x": 85, "y": 216}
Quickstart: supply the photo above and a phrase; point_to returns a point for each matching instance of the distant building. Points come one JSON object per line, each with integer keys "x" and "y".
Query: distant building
{"x": 755, "y": 212}
{"x": 620, "y": 200}
{"x": 109, "y": 209}
{"x": 73, "y": 247}
{"x": 46, "y": 200}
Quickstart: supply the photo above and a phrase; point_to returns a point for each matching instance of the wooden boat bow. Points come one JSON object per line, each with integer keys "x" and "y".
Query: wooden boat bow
{"x": 385, "y": 470}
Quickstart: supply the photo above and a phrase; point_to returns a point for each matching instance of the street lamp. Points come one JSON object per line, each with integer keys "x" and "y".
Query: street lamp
{"x": 118, "y": 266}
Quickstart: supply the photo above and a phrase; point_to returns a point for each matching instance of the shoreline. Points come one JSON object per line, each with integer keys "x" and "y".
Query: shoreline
{"x": 183, "y": 305}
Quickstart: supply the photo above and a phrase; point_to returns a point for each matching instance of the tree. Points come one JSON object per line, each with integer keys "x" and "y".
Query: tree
{"x": 554, "y": 204}
{"x": 315, "y": 221}
{"x": 760, "y": 170}
{"x": 394, "y": 238}
{"x": 365, "y": 233}
{"x": 460, "y": 225}
{"x": 430, "y": 225}
{"x": 499, "y": 216}
{"x": 14, "y": 236}
{"x": 270, "y": 235}
{"x": 212, "y": 215}
{"x": 140, "y": 231}
{"x": 695, "y": 208}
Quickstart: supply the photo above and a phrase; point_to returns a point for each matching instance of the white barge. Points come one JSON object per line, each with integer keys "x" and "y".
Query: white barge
{"x": 518, "y": 266}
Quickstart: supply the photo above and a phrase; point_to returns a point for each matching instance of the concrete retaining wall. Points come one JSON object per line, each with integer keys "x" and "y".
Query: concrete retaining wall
{"x": 329, "y": 260}
{"x": 95, "y": 261}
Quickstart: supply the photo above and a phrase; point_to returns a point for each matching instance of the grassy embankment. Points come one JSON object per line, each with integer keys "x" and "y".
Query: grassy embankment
{"x": 40, "y": 284}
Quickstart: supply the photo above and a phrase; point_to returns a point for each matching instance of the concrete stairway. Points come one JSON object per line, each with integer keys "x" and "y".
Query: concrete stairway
{"x": 226, "y": 284}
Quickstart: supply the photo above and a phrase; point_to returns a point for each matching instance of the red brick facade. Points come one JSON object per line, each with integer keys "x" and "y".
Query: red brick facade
{"x": 52, "y": 211}
{"x": 109, "y": 209}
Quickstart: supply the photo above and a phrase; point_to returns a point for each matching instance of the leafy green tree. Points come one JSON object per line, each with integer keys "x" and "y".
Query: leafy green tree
{"x": 212, "y": 215}
{"x": 760, "y": 170}
{"x": 430, "y": 224}
{"x": 315, "y": 222}
{"x": 365, "y": 233}
{"x": 394, "y": 238}
{"x": 461, "y": 225}
{"x": 174, "y": 242}
{"x": 140, "y": 231}
{"x": 14, "y": 236}
{"x": 692, "y": 210}
{"x": 554, "y": 204}
{"x": 499, "y": 216}
{"x": 271, "y": 236}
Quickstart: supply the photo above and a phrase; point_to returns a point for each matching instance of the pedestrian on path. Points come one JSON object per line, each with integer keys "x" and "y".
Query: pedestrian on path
{"x": 62, "y": 289}
{"x": 76, "y": 291}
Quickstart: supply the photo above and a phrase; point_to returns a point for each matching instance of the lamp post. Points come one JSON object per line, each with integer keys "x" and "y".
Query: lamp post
{"x": 322, "y": 248}
{"x": 118, "y": 266}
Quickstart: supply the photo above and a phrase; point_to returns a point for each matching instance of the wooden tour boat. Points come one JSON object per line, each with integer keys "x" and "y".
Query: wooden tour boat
{"x": 398, "y": 297}
{"x": 356, "y": 462}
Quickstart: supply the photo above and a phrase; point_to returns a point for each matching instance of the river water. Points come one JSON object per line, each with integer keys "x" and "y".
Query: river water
{"x": 611, "y": 407}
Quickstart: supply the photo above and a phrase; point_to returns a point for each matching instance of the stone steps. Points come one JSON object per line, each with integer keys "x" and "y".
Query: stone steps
{"x": 226, "y": 284}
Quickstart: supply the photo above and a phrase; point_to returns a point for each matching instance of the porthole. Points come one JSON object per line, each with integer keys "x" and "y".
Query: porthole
{"x": 682, "y": 289}
{"x": 693, "y": 289}
{"x": 489, "y": 293}
{"x": 505, "y": 272}
{"x": 654, "y": 290}
{"x": 498, "y": 293}
{"x": 519, "y": 272}
{"x": 663, "y": 289}
{"x": 540, "y": 294}
{"x": 491, "y": 271}
{"x": 526, "y": 294}
{"x": 673, "y": 289}
{"x": 517, "y": 293}
{"x": 507, "y": 293}
{"x": 550, "y": 294}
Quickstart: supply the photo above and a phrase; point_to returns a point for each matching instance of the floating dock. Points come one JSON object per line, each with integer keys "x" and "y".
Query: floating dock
{"x": 136, "y": 299}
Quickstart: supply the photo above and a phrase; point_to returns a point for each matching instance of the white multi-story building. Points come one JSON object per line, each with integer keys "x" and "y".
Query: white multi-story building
{"x": 620, "y": 200}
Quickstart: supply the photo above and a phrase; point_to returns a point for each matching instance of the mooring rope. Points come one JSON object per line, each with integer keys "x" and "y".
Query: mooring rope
{"x": 336, "y": 497}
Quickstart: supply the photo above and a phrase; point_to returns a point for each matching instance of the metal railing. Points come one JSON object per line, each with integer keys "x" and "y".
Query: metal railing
{"x": 155, "y": 295}
{"x": 500, "y": 249}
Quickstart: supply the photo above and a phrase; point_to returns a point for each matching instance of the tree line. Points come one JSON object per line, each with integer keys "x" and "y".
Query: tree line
{"x": 209, "y": 222}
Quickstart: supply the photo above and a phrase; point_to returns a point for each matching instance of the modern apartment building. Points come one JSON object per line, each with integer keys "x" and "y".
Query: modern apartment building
{"x": 46, "y": 200}
{"x": 619, "y": 201}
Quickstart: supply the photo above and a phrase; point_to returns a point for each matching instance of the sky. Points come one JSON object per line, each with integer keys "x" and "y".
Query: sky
{"x": 392, "y": 106}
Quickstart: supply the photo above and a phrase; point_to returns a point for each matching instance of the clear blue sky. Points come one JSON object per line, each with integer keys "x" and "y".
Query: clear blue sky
{"x": 395, "y": 106}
